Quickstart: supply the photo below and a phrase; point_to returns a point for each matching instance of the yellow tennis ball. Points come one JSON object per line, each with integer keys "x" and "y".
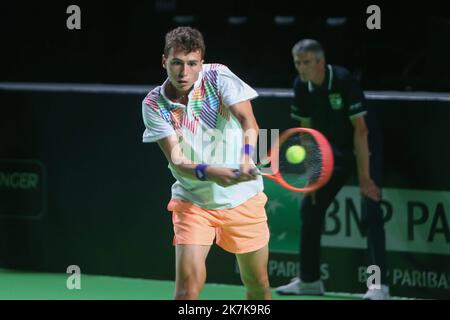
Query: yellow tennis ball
{"x": 295, "y": 154}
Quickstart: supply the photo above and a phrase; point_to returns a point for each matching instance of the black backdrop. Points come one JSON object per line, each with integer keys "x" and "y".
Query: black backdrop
{"x": 122, "y": 42}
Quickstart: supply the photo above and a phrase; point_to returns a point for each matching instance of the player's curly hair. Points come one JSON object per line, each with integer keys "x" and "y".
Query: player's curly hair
{"x": 186, "y": 38}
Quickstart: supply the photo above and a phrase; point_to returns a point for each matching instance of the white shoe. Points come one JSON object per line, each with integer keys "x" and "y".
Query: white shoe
{"x": 377, "y": 294}
{"x": 298, "y": 287}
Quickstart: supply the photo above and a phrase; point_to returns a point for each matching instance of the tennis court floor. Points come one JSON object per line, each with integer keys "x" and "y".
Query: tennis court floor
{"x": 23, "y": 285}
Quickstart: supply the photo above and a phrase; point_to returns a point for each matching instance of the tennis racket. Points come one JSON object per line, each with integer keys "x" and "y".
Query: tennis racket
{"x": 309, "y": 174}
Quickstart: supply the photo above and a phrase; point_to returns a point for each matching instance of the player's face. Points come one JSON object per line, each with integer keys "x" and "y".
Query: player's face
{"x": 308, "y": 67}
{"x": 183, "y": 68}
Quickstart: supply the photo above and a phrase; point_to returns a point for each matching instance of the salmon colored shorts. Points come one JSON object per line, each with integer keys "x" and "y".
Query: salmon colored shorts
{"x": 238, "y": 230}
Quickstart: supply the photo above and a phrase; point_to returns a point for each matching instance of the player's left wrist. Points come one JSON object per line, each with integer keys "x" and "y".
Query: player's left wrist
{"x": 247, "y": 154}
{"x": 248, "y": 150}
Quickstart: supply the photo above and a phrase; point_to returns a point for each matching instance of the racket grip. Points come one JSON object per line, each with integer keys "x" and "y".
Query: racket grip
{"x": 254, "y": 172}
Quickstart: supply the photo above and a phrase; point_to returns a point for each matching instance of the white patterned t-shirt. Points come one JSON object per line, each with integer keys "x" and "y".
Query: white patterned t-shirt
{"x": 208, "y": 133}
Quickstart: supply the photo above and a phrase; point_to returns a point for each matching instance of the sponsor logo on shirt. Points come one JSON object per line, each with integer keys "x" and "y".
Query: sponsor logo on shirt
{"x": 335, "y": 101}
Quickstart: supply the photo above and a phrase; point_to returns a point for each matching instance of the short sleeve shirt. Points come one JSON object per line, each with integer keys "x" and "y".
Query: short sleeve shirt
{"x": 331, "y": 106}
{"x": 208, "y": 133}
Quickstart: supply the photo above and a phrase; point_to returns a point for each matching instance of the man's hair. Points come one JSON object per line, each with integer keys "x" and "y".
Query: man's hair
{"x": 309, "y": 45}
{"x": 185, "y": 38}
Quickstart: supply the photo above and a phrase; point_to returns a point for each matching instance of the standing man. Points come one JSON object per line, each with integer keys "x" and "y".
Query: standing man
{"x": 328, "y": 99}
{"x": 202, "y": 119}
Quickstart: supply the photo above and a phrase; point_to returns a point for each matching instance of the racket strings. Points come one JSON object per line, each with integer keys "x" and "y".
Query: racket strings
{"x": 307, "y": 171}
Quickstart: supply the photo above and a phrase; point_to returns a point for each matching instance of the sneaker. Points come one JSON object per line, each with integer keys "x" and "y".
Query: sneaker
{"x": 377, "y": 294}
{"x": 298, "y": 287}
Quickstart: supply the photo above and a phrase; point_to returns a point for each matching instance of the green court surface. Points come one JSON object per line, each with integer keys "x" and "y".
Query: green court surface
{"x": 22, "y": 285}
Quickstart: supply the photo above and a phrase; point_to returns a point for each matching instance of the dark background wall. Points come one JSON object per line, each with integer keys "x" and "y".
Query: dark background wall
{"x": 122, "y": 42}
{"x": 105, "y": 191}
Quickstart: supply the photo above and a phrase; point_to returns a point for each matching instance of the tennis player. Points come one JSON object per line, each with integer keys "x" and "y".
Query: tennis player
{"x": 202, "y": 119}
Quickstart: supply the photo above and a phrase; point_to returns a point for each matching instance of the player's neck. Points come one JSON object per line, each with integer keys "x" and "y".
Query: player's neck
{"x": 320, "y": 78}
{"x": 175, "y": 95}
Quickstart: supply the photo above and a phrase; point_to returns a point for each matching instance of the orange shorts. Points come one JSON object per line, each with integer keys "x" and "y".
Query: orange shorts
{"x": 238, "y": 230}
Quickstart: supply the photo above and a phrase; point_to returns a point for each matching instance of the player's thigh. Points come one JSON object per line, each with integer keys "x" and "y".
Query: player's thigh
{"x": 253, "y": 265}
{"x": 190, "y": 259}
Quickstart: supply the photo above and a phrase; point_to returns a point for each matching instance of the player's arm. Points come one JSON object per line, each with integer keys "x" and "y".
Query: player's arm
{"x": 356, "y": 111}
{"x": 360, "y": 141}
{"x": 244, "y": 114}
{"x": 185, "y": 167}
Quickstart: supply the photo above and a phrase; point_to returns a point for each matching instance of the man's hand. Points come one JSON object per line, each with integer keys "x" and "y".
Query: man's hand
{"x": 246, "y": 170}
{"x": 370, "y": 189}
{"x": 224, "y": 177}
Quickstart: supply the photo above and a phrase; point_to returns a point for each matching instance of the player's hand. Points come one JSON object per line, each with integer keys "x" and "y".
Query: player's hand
{"x": 370, "y": 189}
{"x": 246, "y": 169}
{"x": 224, "y": 177}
